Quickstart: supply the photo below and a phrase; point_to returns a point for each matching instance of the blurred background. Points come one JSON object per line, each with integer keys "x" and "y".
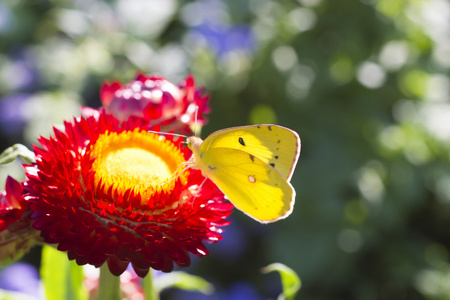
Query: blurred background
{"x": 365, "y": 83}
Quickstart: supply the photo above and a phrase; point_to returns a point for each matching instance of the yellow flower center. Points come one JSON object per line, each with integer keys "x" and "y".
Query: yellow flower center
{"x": 138, "y": 160}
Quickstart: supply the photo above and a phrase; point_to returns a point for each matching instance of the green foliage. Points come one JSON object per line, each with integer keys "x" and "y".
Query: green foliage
{"x": 109, "y": 285}
{"x": 11, "y": 153}
{"x": 184, "y": 281}
{"x": 63, "y": 279}
{"x": 290, "y": 281}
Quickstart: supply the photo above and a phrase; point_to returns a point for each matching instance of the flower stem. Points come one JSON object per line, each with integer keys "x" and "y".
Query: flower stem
{"x": 109, "y": 285}
{"x": 149, "y": 289}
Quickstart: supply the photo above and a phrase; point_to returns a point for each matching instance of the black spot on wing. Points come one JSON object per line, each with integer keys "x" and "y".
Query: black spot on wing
{"x": 276, "y": 156}
{"x": 212, "y": 168}
{"x": 269, "y": 127}
{"x": 278, "y": 141}
{"x": 252, "y": 157}
{"x": 241, "y": 141}
{"x": 272, "y": 164}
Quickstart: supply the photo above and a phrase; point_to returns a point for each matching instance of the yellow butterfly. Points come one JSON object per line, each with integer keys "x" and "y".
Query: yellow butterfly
{"x": 252, "y": 166}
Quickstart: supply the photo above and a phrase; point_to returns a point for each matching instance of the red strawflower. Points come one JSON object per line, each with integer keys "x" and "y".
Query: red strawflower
{"x": 17, "y": 235}
{"x": 12, "y": 205}
{"x": 158, "y": 101}
{"x": 101, "y": 191}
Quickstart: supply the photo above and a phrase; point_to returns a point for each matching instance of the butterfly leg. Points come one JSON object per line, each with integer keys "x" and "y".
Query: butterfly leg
{"x": 198, "y": 189}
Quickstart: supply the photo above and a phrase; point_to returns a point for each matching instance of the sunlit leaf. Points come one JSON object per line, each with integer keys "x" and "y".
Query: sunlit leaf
{"x": 62, "y": 279}
{"x": 184, "y": 281}
{"x": 11, "y": 153}
{"x": 289, "y": 279}
{"x": 108, "y": 285}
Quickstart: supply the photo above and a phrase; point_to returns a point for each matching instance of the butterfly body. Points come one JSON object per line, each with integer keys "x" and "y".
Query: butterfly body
{"x": 252, "y": 166}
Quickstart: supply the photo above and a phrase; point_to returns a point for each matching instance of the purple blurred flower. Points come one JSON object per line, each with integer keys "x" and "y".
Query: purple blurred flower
{"x": 183, "y": 294}
{"x": 207, "y": 21}
{"x": 21, "y": 277}
{"x": 22, "y": 73}
{"x": 224, "y": 38}
{"x": 241, "y": 291}
{"x": 12, "y": 120}
{"x": 237, "y": 291}
{"x": 234, "y": 243}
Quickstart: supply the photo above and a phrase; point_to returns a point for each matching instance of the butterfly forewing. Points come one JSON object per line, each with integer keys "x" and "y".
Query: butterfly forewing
{"x": 275, "y": 145}
{"x": 249, "y": 183}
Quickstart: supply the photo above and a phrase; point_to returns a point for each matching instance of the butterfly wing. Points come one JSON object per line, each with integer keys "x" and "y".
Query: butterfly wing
{"x": 275, "y": 145}
{"x": 249, "y": 183}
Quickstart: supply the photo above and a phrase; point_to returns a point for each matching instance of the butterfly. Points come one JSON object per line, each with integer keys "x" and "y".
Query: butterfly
{"x": 252, "y": 166}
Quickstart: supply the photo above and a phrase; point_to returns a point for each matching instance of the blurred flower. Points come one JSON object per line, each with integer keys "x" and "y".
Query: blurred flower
{"x": 24, "y": 71}
{"x": 103, "y": 190}
{"x": 21, "y": 277}
{"x": 235, "y": 243}
{"x": 13, "y": 119}
{"x": 208, "y": 20}
{"x": 224, "y": 39}
{"x": 241, "y": 290}
{"x": 237, "y": 291}
{"x": 158, "y": 101}
{"x": 16, "y": 234}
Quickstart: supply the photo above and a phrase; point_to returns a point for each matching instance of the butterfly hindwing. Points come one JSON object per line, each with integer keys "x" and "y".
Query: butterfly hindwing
{"x": 249, "y": 183}
{"x": 275, "y": 145}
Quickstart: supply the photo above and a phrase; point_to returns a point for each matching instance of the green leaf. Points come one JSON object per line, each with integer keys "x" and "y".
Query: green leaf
{"x": 184, "y": 281}
{"x": 289, "y": 279}
{"x": 150, "y": 291}
{"x": 62, "y": 279}
{"x": 108, "y": 284}
{"x": 11, "y": 153}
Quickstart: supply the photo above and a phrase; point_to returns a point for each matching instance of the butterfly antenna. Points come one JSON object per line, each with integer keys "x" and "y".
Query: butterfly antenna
{"x": 195, "y": 120}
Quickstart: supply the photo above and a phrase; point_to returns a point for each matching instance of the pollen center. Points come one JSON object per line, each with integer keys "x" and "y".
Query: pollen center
{"x": 137, "y": 160}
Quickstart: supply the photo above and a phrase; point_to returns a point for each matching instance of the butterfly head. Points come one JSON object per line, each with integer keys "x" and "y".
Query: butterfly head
{"x": 194, "y": 143}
